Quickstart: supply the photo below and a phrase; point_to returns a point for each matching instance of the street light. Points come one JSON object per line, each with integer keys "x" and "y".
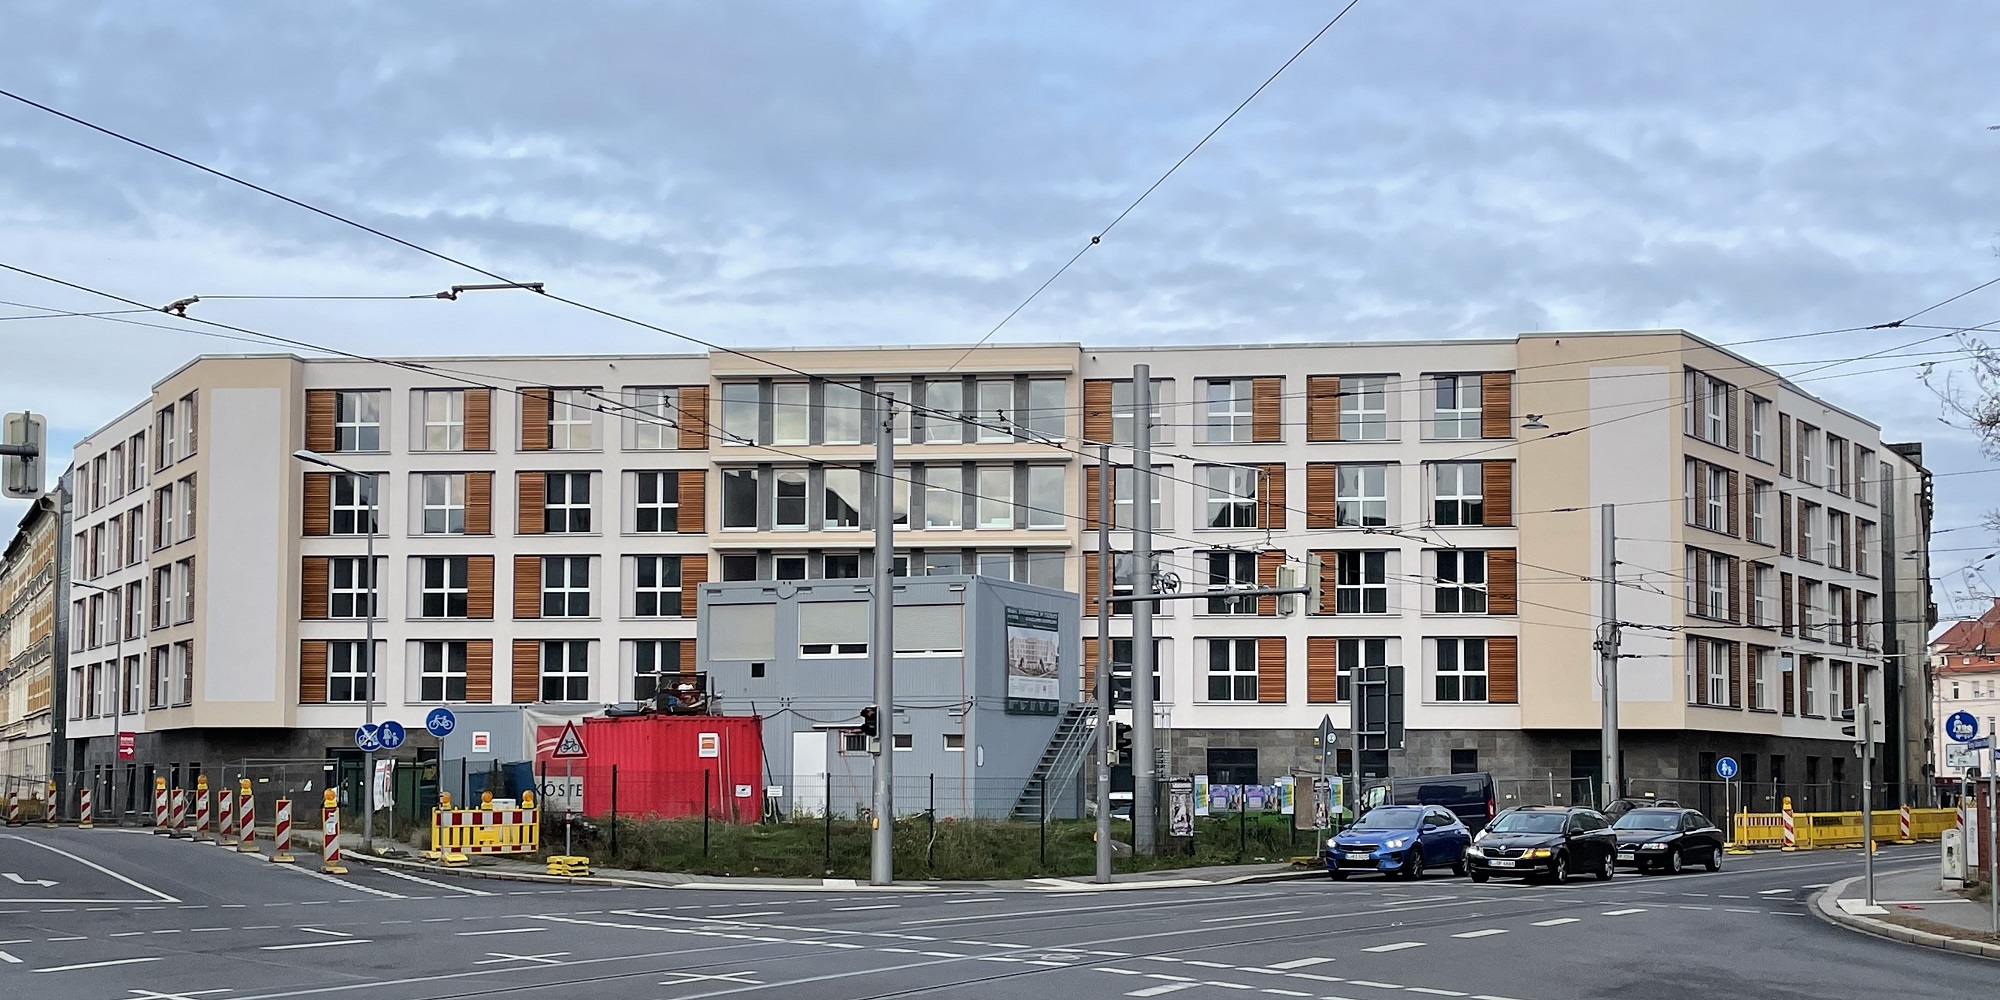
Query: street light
{"x": 117, "y": 696}
{"x": 368, "y": 646}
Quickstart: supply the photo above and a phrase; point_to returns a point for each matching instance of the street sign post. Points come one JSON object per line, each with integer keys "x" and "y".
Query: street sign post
{"x": 390, "y": 735}
{"x": 1725, "y": 768}
{"x": 568, "y": 749}
{"x": 368, "y": 738}
{"x": 1962, "y": 727}
{"x": 440, "y": 722}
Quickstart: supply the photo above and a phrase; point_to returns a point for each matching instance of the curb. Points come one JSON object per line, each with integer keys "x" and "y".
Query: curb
{"x": 1825, "y": 905}
{"x": 617, "y": 883}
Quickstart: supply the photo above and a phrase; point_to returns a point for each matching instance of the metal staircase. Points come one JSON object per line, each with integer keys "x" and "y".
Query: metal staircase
{"x": 1069, "y": 747}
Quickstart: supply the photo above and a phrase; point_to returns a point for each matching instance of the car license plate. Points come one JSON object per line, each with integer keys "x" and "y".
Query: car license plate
{"x": 1501, "y": 863}
{"x": 1361, "y": 856}
{"x": 1627, "y": 856}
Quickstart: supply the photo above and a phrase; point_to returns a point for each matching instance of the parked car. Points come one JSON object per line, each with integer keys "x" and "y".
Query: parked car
{"x": 1664, "y": 840}
{"x": 1399, "y": 840}
{"x": 1620, "y": 807}
{"x": 1544, "y": 842}
{"x": 1469, "y": 796}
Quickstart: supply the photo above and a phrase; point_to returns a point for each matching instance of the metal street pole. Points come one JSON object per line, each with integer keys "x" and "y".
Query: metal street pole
{"x": 368, "y": 641}
{"x": 882, "y": 845}
{"x": 1864, "y": 731}
{"x": 1607, "y": 645}
{"x": 1105, "y": 745}
{"x": 1145, "y": 801}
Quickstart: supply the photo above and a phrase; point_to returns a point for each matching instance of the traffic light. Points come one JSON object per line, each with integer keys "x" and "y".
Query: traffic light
{"x": 1121, "y": 744}
{"x": 1848, "y": 717}
{"x": 869, "y": 728}
{"x": 1313, "y": 567}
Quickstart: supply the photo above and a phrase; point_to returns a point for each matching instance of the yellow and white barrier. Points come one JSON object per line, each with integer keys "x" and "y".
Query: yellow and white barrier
{"x": 1808, "y": 831}
{"x": 330, "y": 831}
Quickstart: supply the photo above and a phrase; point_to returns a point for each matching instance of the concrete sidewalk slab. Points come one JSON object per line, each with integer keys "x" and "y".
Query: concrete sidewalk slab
{"x": 1909, "y": 908}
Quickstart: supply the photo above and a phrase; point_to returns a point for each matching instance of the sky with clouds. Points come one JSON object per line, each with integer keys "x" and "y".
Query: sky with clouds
{"x": 762, "y": 174}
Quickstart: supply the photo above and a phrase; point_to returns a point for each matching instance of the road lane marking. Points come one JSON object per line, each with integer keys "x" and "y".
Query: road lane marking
{"x": 1210, "y": 965}
{"x": 86, "y": 862}
{"x": 98, "y": 965}
{"x": 1382, "y": 949}
{"x": 313, "y": 944}
{"x": 1154, "y": 991}
{"x": 1435, "y": 993}
{"x": 1489, "y": 932}
{"x": 9, "y": 959}
{"x": 1379, "y": 986}
{"x": 1627, "y": 911}
{"x": 545, "y": 958}
{"x": 468, "y": 890}
{"x": 746, "y": 916}
{"x": 1300, "y": 963}
{"x": 503, "y": 930}
{"x": 1252, "y": 916}
{"x": 982, "y": 899}
{"x": 326, "y": 931}
{"x": 343, "y": 883}
{"x": 1418, "y": 899}
{"x": 1557, "y": 922}
{"x": 876, "y": 906}
{"x": 1775, "y": 892}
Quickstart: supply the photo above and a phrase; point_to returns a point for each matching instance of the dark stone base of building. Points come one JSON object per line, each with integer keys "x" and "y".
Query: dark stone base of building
{"x": 299, "y": 763}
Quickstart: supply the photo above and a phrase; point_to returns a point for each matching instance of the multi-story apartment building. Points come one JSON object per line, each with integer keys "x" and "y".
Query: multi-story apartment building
{"x": 1965, "y": 668}
{"x": 28, "y": 643}
{"x": 1449, "y": 491}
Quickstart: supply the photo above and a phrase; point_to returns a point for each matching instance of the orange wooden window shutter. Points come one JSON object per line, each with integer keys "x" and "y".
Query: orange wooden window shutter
{"x": 531, "y": 491}
{"x": 478, "y": 420}
{"x": 1503, "y": 670}
{"x": 534, "y": 420}
{"x": 1322, "y": 669}
{"x": 690, "y": 662}
{"x": 1089, "y": 666}
{"x": 479, "y": 671}
{"x": 1267, "y": 411}
{"x": 1268, "y": 562}
{"x": 312, "y": 672}
{"x": 1088, "y": 585}
{"x": 1322, "y": 408}
{"x": 1322, "y": 500}
{"x": 527, "y": 586}
{"x": 1497, "y": 482}
{"x": 1271, "y": 670}
{"x": 314, "y": 583}
{"x": 1097, "y": 409}
{"x": 692, "y": 518}
{"x": 1271, "y": 497}
{"x": 1496, "y": 405}
{"x": 694, "y": 573}
{"x": 479, "y": 587}
{"x": 318, "y": 505}
{"x": 1502, "y": 582}
{"x": 527, "y": 671}
{"x": 692, "y": 418}
{"x": 321, "y": 405}
{"x": 479, "y": 503}
{"x": 1091, "y": 494}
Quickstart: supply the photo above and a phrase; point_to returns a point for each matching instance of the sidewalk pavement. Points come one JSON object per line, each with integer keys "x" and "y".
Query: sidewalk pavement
{"x": 1909, "y": 907}
{"x": 527, "y": 871}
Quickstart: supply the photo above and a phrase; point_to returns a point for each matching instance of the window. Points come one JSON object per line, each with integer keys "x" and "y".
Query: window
{"x": 1719, "y": 656}
{"x": 347, "y": 671}
{"x": 135, "y": 610}
{"x": 1716, "y": 597}
{"x": 1809, "y": 531}
{"x": 188, "y": 424}
{"x": 1808, "y": 436}
{"x": 1230, "y": 500}
{"x": 1460, "y": 493}
{"x": 739, "y": 566}
{"x": 164, "y": 438}
{"x": 954, "y": 742}
{"x": 444, "y": 419}
{"x": 443, "y": 587}
{"x": 658, "y": 504}
{"x": 566, "y": 670}
{"x": 163, "y": 605}
{"x": 1124, "y": 491}
{"x": 135, "y": 535}
{"x": 1457, "y": 408}
{"x": 1461, "y": 669}
{"x": 1232, "y": 569}
{"x": 180, "y": 683}
{"x": 100, "y": 484}
{"x": 444, "y": 503}
{"x": 111, "y": 553}
{"x": 1836, "y": 463}
{"x": 1864, "y": 473}
{"x": 1045, "y": 497}
{"x": 1048, "y": 409}
{"x": 791, "y": 412}
{"x": 840, "y": 566}
{"x": 1361, "y": 584}
{"x": 570, "y": 426}
{"x": 1364, "y": 408}
{"x": 99, "y": 553}
{"x": 163, "y": 513}
{"x": 1809, "y": 591}
{"x": 135, "y": 453}
{"x": 656, "y": 417}
{"x": 788, "y": 568}
{"x": 656, "y": 587}
{"x": 565, "y": 586}
{"x": 1122, "y": 411}
{"x": 1760, "y": 416}
{"x": 840, "y": 414}
{"x": 653, "y": 660}
{"x": 1866, "y": 606}
{"x": 1361, "y": 496}
{"x": 739, "y": 413}
{"x": 841, "y": 500}
{"x": 1864, "y": 547}
{"x": 1716, "y": 514}
{"x": 1715, "y": 413}
{"x": 995, "y": 413}
{"x": 353, "y": 505}
{"x": 1232, "y": 670}
{"x": 944, "y": 497}
{"x": 117, "y": 468}
{"x": 739, "y": 498}
{"x": 184, "y": 573}
{"x": 996, "y": 496}
{"x": 441, "y": 675}
{"x": 1760, "y": 678}
{"x": 943, "y": 563}
{"x": 1760, "y": 498}
{"x": 566, "y": 507}
{"x": 156, "y": 679}
{"x": 899, "y": 406}
{"x": 944, "y": 407}
{"x": 1045, "y": 569}
{"x": 357, "y": 421}
{"x": 1760, "y": 585}
{"x": 348, "y": 592}
{"x": 1122, "y": 653}
{"x": 94, "y": 635}
{"x": 1461, "y": 582}
{"x": 1809, "y": 686}
{"x": 788, "y": 511}
{"x": 1228, "y": 418}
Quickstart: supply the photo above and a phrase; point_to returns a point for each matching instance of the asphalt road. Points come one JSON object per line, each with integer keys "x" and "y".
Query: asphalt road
{"x": 122, "y": 915}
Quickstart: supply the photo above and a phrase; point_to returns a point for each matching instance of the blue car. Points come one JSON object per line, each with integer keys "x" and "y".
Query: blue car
{"x": 1399, "y": 840}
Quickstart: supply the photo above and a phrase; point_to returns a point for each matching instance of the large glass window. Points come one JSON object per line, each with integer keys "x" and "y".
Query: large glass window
{"x": 791, "y": 412}
{"x": 348, "y": 588}
{"x": 351, "y": 514}
{"x": 1457, "y": 410}
{"x": 1461, "y": 670}
{"x": 1228, "y": 417}
{"x": 1122, "y": 411}
{"x": 444, "y": 587}
{"x": 944, "y": 405}
{"x": 1232, "y": 670}
{"x": 1361, "y": 583}
{"x": 842, "y": 499}
{"x": 1460, "y": 493}
{"x": 444, "y": 503}
{"x": 739, "y": 498}
{"x": 444, "y": 419}
{"x": 840, "y": 414}
{"x": 996, "y": 496}
{"x": 1045, "y": 497}
{"x": 899, "y": 404}
{"x": 357, "y": 421}
{"x": 656, "y": 587}
{"x": 1760, "y": 416}
{"x": 653, "y": 660}
{"x": 657, "y": 507}
{"x": 944, "y": 497}
{"x": 788, "y": 500}
{"x": 739, "y": 413}
{"x": 1364, "y": 408}
{"x": 1124, "y": 491}
{"x": 1461, "y": 582}
{"x": 1361, "y": 496}
{"x": 996, "y": 414}
{"x": 442, "y": 672}
{"x": 655, "y": 417}
{"x": 565, "y": 586}
{"x": 567, "y": 506}
{"x": 1229, "y": 497}
{"x": 566, "y": 670}
{"x": 1228, "y": 568}
{"x": 1048, "y": 413}
{"x": 346, "y": 671}
{"x": 570, "y": 427}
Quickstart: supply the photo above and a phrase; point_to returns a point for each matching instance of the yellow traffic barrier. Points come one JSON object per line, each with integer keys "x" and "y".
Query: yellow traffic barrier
{"x": 1809, "y": 831}
{"x": 484, "y": 831}
{"x": 569, "y": 866}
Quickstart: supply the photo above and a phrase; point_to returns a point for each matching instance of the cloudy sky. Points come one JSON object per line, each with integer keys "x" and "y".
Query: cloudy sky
{"x": 768, "y": 174}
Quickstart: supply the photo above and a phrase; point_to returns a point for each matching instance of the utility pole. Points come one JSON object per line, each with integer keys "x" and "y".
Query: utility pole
{"x": 1145, "y": 798}
{"x": 1607, "y": 647}
{"x": 1106, "y": 745}
{"x": 1864, "y": 730}
{"x": 882, "y": 845}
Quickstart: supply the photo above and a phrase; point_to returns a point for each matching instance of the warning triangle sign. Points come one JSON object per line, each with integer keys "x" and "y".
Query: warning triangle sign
{"x": 571, "y": 744}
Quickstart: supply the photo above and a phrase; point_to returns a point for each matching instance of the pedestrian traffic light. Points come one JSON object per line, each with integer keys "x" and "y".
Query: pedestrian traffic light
{"x": 1313, "y": 567}
{"x": 868, "y": 722}
{"x": 1121, "y": 744}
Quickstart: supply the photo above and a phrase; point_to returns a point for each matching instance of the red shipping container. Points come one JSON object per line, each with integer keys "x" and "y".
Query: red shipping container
{"x": 662, "y": 761}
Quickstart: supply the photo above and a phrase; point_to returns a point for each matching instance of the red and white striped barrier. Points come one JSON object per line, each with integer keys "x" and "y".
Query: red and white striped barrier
{"x": 225, "y": 817}
{"x": 1903, "y": 826}
{"x": 179, "y": 815}
{"x": 246, "y": 818}
{"x": 1791, "y": 829}
{"x": 330, "y": 832}
{"x": 201, "y": 809}
{"x": 86, "y": 813}
{"x": 160, "y": 814}
{"x": 281, "y": 833}
{"x": 49, "y": 808}
{"x": 13, "y": 808}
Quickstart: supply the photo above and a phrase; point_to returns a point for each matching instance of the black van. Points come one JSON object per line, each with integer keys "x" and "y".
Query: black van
{"x": 1469, "y": 796}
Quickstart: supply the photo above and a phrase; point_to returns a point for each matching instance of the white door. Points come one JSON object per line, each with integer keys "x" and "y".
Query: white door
{"x": 809, "y": 773}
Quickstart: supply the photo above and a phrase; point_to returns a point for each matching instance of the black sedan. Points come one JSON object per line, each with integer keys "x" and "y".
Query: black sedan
{"x": 1543, "y": 842}
{"x": 1667, "y": 840}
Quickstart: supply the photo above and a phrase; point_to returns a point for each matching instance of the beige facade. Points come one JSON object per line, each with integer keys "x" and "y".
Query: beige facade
{"x": 27, "y": 643}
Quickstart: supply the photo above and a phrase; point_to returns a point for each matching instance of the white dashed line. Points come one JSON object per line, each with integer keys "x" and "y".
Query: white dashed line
{"x": 313, "y": 944}
{"x": 1489, "y": 932}
{"x": 1252, "y": 916}
{"x": 1625, "y": 912}
{"x": 1557, "y": 922}
{"x": 1397, "y": 946}
{"x": 876, "y": 906}
{"x": 100, "y": 965}
{"x": 1300, "y": 963}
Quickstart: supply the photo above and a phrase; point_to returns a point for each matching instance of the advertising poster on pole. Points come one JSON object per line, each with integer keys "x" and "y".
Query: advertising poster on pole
{"x": 1322, "y": 802}
{"x": 1180, "y": 808}
{"x": 1288, "y": 796}
{"x": 1201, "y": 795}
{"x": 1034, "y": 665}
{"x": 385, "y": 771}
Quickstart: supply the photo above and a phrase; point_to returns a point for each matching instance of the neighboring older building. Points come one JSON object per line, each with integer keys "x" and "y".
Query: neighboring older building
{"x": 27, "y": 643}
{"x": 1965, "y": 677}
{"x": 1908, "y": 613}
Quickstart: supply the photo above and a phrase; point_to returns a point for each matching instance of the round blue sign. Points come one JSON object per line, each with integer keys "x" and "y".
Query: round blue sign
{"x": 390, "y": 735}
{"x": 368, "y": 738}
{"x": 440, "y": 722}
{"x": 1725, "y": 767}
{"x": 1962, "y": 727}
